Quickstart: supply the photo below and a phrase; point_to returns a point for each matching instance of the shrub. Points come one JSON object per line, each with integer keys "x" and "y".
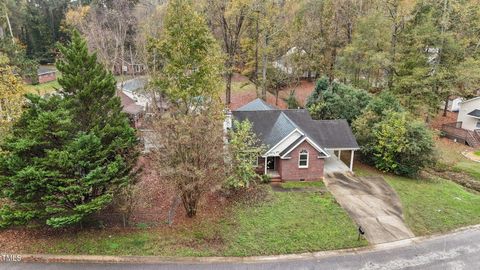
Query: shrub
{"x": 393, "y": 142}
{"x": 244, "y": 150}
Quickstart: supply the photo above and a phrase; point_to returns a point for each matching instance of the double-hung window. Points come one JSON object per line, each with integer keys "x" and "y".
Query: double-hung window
{"x": 303, "y": 159}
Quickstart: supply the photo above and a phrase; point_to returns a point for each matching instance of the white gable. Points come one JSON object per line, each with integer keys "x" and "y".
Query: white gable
{"x": 284, "y": 143}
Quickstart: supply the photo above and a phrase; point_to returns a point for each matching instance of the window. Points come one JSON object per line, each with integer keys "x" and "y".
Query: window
{"x": 478, "y": 124}
{"x": 303, "y": 159}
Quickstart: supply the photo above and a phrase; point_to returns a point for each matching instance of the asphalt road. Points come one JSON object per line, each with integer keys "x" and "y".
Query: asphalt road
{"x": 457, "y": 251}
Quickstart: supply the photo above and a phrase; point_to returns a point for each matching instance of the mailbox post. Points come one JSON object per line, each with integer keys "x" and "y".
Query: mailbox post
{"x": 361, "y": 232}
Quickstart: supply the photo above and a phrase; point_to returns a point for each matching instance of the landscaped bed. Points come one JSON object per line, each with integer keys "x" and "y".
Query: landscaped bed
{"x": 433, "y": 206}
{"x": 284, "y": 222}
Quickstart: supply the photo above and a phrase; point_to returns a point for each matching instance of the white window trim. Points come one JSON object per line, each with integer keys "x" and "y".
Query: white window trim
{"x": 303, "y": 152}
{"x": 319, "y": 149}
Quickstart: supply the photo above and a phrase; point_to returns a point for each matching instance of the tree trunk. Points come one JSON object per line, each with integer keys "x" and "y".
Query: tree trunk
{"x": 8, "y": 23}
{"x": 264, "y": 78}
{"x": 132, "y": 61}
{"x": 228, "y": 90}
{"x": 256, "y": 55}
{"x": 190, "y": 205}
{"x": 393, "y": 41}
{"x": 445, "y": 108}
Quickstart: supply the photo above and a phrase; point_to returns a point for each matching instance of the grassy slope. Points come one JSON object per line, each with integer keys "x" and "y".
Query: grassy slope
{"x": 291, "y": 222}
{"x": 470, "y": 167}
{"x": 434, "y": 206}
{"x": 450, "y": 154}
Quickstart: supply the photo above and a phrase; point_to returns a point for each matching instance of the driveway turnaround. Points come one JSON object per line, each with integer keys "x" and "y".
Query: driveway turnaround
{"x": 460, "y": 250}
{"x": 373, "y": 204}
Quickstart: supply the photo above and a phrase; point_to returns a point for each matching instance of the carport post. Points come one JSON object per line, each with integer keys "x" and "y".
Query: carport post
{"x": 351, "y": 160}
{"x": 340, "y": 154}
{"x": 266, "y": 165}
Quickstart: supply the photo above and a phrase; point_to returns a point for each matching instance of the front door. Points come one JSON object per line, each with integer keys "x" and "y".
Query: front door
{"x": 271, "y": 164}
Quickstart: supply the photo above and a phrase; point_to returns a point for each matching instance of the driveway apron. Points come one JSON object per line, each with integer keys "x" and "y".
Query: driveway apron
{"x": 373, "y": 204}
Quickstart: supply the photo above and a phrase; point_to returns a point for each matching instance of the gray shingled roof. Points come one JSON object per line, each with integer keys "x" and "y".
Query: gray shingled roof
{"x": 45, "y": 69}
{"x": 474, "y": 113}
{"x": 271, "y": 126}
{"x": 134, "y": 84}
{"x": 257, "y": 105}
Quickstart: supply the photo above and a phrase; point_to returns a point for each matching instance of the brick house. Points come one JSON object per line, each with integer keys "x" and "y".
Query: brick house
{"x": 299, "y": 147}
{"x": 46, "y": 74}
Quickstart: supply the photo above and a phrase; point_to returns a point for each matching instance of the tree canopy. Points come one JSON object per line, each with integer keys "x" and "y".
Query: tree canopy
{"x": 189, "y": 60}
{"x": 68, "y": 154}
{"x": 336, "y": 101}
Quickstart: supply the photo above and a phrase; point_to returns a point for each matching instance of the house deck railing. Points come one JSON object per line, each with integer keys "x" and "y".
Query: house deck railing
{"x": 456, "y": 131}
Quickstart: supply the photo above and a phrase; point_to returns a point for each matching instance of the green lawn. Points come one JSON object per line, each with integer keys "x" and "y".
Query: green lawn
{"x": 289, "y": 222}
{"x": 307, "y": 184}
{"x": 51, "y": 87}
{"x": 44, "y": 88}
{"x": 477, "y": 153}
{"x": 433, "y": 206}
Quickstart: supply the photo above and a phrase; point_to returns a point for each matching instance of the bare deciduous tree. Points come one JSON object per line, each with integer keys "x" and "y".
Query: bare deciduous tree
{"x": 108, "y": 28}
{"x": 227, "y": 18}
{"x": 190, "y": 154}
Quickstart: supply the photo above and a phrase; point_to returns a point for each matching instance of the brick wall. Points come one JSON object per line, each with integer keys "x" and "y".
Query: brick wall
{"x": 289, "y": 170}
{"x": 47, "y": 77}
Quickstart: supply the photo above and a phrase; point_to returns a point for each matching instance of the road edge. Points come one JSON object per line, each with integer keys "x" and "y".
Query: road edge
{"x": 96, "y": 259}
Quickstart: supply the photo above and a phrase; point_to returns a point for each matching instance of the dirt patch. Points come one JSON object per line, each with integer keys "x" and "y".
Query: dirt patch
{"x": 302, "y": 91}
{"x": 460, "y": 178}
{"x": 440, "y": 120}
{"x": 240, "y": 98}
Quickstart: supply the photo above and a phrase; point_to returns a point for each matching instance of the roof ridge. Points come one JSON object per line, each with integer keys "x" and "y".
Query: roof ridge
{"x": 291, "y": 121}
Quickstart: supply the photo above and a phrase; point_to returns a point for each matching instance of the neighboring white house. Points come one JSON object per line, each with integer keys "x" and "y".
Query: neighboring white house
{"x": 453, "y": 104}
{"x": 286, "y": 62}
{"x": 469, "y": 114}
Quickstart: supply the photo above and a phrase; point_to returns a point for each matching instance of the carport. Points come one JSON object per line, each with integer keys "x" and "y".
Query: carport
{"x": 334, "y": 163}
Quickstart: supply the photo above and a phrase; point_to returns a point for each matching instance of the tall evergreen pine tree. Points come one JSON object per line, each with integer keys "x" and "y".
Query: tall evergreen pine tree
{"x": 68, "y": 155}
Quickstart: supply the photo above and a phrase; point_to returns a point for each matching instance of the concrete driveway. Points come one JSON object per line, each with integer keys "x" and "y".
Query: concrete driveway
{"x": 373, "y": 204}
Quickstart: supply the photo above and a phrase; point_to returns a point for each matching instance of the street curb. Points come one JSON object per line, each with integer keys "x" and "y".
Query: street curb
{"x": 45, "y": 258}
